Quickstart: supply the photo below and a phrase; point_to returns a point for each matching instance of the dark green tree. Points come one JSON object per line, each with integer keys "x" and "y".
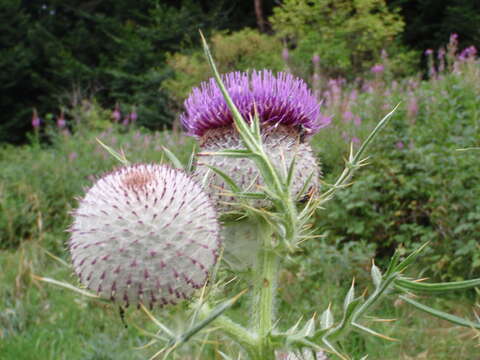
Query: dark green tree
{"x": 429, "y": 23}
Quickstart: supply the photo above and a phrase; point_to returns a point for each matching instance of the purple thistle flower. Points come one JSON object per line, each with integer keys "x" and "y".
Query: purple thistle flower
{"x": 35, "y": 119}
{"x": 377, "y": 68}
{"x": 399, "y": 145}
{"x": 357, "y": 120}
{"x": 280, "y": 99}
{"x": 428, "y": 52}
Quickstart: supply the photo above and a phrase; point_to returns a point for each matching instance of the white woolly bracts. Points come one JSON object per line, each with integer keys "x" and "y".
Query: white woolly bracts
{"x": 144, "y": 234}
{"x": 282, "y": 146}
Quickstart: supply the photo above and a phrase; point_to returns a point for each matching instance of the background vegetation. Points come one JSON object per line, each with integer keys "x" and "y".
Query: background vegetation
{"x": 87, "y": 59}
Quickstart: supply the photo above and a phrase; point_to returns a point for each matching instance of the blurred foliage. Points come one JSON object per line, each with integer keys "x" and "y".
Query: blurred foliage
{"x": 348, "y": 35}
{"x": 39, "y": 183}
{"x": 113, "y": 50}
{"x": 418, "y": 187}
{"x": 116, "y": 51}
{"x": 246, "y": 49}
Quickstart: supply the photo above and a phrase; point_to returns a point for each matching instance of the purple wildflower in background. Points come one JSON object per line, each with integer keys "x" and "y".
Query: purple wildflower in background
{"x": 280, "y": 99}
{"x": 353, "y": 95}
{"x": 116, "y": 115}
{"x": 133, "y": 115}
{"x": 377, "y": 68}
{"x": 357, "y": 120}
{"x": 72, "y": 156}
{"x": 441, "y": 53}
{"x": 384, "y": 54}
{"x": 315, "y": 59}
{"x": 347, "y": 116}
{"x": 355, "y": 140}
{"x": 61, "y": 123}
{"x": 412, "y": 106}
{"x": 441, "y": 59}
{"x": 285, "y": 54}
{"x": 399, "y": 145}
{"x": 428, "y": 52}
{"x": 35, "y": 119}
{"x": 468, "y": 53}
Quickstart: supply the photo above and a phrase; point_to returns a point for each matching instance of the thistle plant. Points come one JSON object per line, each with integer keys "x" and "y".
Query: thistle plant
{"x": 148, "y": 234}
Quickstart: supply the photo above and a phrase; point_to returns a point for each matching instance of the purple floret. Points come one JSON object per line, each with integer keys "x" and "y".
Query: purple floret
{"x": 280, "y": 99}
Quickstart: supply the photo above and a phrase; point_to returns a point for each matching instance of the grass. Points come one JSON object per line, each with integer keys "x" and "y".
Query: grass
{"x": 47, "y": 322}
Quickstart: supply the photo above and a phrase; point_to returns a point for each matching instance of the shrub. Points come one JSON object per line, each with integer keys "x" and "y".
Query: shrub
{"x": 246, "y": 49}
{"x": 419, "y": 187}
{"x": 347, "y": 35}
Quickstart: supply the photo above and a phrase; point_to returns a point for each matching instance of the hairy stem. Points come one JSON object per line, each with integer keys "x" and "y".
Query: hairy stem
{"x": 264, "y": 290}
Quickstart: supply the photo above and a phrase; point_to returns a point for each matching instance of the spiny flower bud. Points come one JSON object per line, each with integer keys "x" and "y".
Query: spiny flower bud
{"x": 281, "y": 144}
{"x": 144, "y": 234}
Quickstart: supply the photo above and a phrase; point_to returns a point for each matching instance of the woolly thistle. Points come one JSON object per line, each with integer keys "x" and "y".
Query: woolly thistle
{"x": 144, "y": 234}
{"x": 288, "y": 113}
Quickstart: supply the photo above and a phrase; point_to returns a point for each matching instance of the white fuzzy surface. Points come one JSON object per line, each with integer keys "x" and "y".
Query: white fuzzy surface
{"x": 144, "y": 234}
{"x": 281, "y": 144}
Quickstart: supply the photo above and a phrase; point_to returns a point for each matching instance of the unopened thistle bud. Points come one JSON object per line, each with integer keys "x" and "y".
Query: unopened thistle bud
{"x": 144, "y": 234}
{"x": 288, "y": 113}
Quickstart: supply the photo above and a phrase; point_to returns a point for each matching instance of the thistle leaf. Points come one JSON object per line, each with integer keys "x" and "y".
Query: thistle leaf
{"x": 410, "y": 258}
{"x": 120, "y": 156}
{"x": 326, "y": 321}
{"x": 376, "y": 275}
{"x": 173, "y": 159}
{"x": 440, "y": 314}
{"x": 231, "y": 183}
{"x": 349, "y": 297}
{"x": 436, "y": 287}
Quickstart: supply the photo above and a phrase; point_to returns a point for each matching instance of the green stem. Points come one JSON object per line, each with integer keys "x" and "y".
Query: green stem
{"x": 234, "y": 331}
{"x": 264, "y": 290}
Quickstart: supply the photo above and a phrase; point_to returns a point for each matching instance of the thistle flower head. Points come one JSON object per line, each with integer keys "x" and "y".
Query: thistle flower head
{"x": 280, "y": 99}
{"x": 144, "y": 234}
